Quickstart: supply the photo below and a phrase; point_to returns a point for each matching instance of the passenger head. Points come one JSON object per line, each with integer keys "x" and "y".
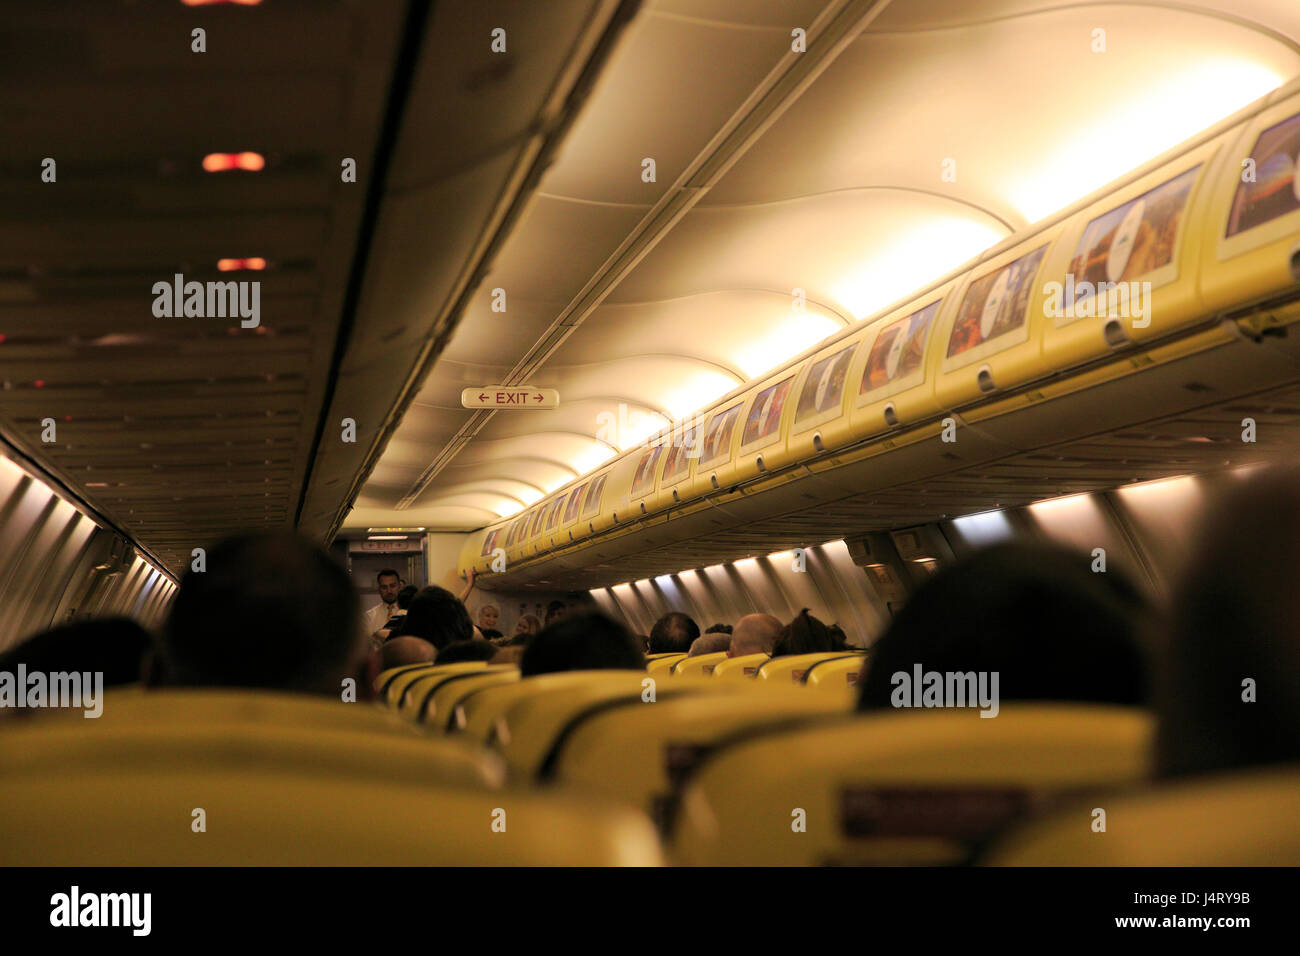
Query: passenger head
{"x": 511, "y": 654}
{"x": 488, "y": 615}
{"x": 807, "y": 635}
{"x": 400, "y": 651}
{"x": 271, "y": 610}
{"x": 1035, "y": 614}
{"x": 718, "y": 629}
{"x": 437, "y": 616}
{"x": 588, "y": 641}
{"x": 1229, "y": 689}
{"x": 528, "y": 624}
{"x": 475, "y": 650}
{"x": 673, "y": 634}
{"x": 405, "y": 595}
{"x": 709, "y": 644}
{"x": 390, "y": 583}
{"x": 116, "y": 647}
{"x": 754, "y": 634}
{"x": 554, "y": 611}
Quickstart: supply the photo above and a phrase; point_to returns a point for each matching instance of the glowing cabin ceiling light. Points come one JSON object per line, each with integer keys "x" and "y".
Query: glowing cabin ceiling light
{"x": 592, "y": 458}
{"x": 797, "y": 333}
{"x": 225, "y": 162}
{"x": 1155, "y": 115}
{"x": 255, "y": 264}
{"x": 919, "y": 254}
{"x": 702, "y": 387}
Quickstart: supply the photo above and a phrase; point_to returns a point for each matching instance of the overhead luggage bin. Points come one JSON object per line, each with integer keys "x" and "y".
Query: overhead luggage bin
{"x": 1240, "y": 819}
{"x": 593, "y": 515}
{"x": 893, "y": 384}
{"x": 722, "y": 427}
{"x": 1125, "y": 269}
{"x": 823, "y": 396}
{"x": 1252, "y": 252}
{"x": 763, "y": 425}
{"x": 990, "y": 340}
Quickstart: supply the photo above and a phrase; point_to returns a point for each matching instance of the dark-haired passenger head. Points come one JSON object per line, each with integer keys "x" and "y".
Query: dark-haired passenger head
{"x": 405, "y": 595}
{"x": 554, "y": 611}
{"x": 807, "y": 635}
{"x": 1036, "y": 614}
{"x": 589, "y": 641}
{"x": 437, "y": 616}
{"x": 718, "y": 629}
{"x": 674, "y": 633}
{"x": 475, "y": 650}
{"x": 708, "y": 643}
{"x": 1229, "y": 685}
{"x": 116, "y": 647}
{"x": 271, "y": 610}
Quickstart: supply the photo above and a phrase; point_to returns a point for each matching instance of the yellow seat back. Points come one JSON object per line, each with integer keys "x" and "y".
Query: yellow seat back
{"x": 527, "y": 730}
{"x": 638, "y": 754}
{"x": 662, "y": 663}
{"x": 440, "y": 709}
{"x": 234, "y": 730}
{"x": 913, "y": 787}
{"x": 396, "y": 692}
{"x": 793, "y": 668}
{"x": 1243, "y": 819}
{"x": 837, "y": 672}
{"x": 384, "y": 678}
{"x": 266, "y": 816}
{"x": 700, "y": 664}
{"x": 418, "y": 692}
{"x": 744, "y": 667}
{"x": 477, "y": 715}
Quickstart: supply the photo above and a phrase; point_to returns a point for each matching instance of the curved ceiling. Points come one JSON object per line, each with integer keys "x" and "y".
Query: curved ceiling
{"x": 932, "y": 133}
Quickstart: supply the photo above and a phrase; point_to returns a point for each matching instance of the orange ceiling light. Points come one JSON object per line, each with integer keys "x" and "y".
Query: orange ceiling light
{"x": 255, "y": 264}
{"x": 225, "y": 162}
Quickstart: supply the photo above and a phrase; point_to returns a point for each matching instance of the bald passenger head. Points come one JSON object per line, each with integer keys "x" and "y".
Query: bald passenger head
{"x": 401, "y": 651}
{"x": 754, "y": 634}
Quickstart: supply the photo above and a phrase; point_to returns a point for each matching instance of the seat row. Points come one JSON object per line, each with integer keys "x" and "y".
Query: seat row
{"x": 762, "y": 772}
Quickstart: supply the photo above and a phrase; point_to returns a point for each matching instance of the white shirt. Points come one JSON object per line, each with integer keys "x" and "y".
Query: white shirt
{"x": 378, "y": 616}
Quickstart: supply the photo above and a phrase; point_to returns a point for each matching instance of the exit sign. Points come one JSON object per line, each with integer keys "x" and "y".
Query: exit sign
{"x": 512, "y": 396}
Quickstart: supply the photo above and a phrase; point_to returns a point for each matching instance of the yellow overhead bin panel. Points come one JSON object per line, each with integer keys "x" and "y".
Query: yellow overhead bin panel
{"x": 617, "y": 502}
{"x": 717, "y": 448}
{"x": 762, "y": 428}
{"x": 1252, "y": 252}
{"x": 991, "y": 339}
{"x": 1125, "y": 268}
{"x": 593, "y": 514}
{"x": 893, "y": 384}
{"x": 684, "y": 444}
{"x": 823, "y": 399}
{"x": 570, "y": 527}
